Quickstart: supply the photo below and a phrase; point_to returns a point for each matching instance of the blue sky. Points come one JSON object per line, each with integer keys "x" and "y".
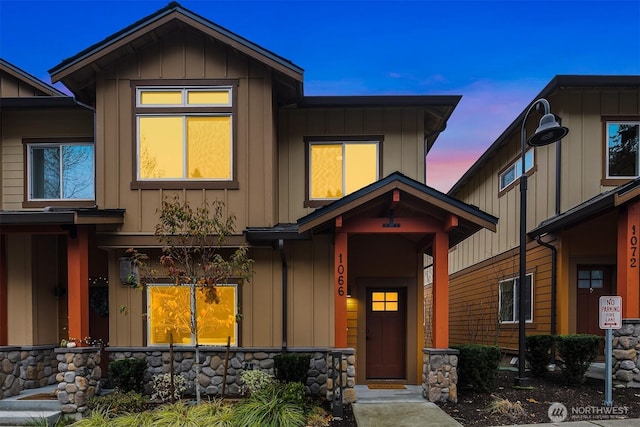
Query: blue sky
{"x": 497, "y": 54}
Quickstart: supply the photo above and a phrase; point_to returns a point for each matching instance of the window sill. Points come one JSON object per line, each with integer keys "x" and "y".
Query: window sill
{"x": 59, "y": 204}
{"x": 185, "y": 185}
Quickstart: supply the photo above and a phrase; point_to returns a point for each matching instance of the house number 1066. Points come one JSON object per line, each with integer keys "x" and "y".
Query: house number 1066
{"x": 340, "y": 276}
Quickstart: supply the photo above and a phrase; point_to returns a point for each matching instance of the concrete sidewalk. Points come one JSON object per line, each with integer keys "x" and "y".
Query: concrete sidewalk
{"x": 398, "y": 408}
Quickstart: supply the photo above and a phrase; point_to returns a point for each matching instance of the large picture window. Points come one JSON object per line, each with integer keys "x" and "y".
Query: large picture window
{"x": 510, "y": 298}
{"x": 185, "y": 136}
{"x": 60, "y": 171}
{"x": 622, "y": 149}
{"x": 514, "y": 170}
{"x": 169, "y": 311}
{"x": 337, "y": 168}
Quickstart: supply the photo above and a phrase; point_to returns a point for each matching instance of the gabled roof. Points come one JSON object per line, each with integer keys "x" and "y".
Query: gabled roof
{"x": 421, "y": 200}
{"x": 557, "y": 83}
{"x": 23, "y": 76}
{"x": 136, "y": 37}
{"x": 598, "y": 205}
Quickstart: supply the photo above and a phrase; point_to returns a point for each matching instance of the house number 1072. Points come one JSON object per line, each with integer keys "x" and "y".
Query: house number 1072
{"x": 340, "y": 275}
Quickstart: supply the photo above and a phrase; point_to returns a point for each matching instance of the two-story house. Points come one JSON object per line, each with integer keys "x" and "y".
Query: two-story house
{"x": 328, "y": 192}
{"x": 582, "y": 219}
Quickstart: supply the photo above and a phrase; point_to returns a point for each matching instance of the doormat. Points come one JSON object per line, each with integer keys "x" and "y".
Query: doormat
{"x": 40, "y": 396}
{"x": 386, "y": 386}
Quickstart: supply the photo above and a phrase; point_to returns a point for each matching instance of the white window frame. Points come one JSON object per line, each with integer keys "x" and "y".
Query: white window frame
{"x": 514, "y": 281}
{"x": 192, "y": 298}
{"x": 607, "y": 137}
{"x": 59, "y": 145}
{"x": 515, "y": 167}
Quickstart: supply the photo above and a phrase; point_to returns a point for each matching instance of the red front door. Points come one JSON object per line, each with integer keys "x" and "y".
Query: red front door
{"x": 386, "y": 333}
{"x": 594, "y": 281}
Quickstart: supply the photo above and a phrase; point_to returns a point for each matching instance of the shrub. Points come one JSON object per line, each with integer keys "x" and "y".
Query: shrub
{"x": 161, "y": 387}
{"x": 577, "y": 351}
{"x": 256, "y": 380}
{"x": 117, "y": 403}
{"x": 269, "y": 408}
{"x": 538, "y": 353}
{"x": 478, "y": 366}
{"x": 292, "y": 367}
{"x": 127, "y": 374}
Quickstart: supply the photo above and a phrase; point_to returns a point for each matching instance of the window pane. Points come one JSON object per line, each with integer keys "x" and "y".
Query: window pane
{"x": 528, "y": 160}
{"x": 361, "y": 166}
{"x": 158, "y": 97}
{"x": 391, "y": 306}
{"x": 169, "y": 313}
{"x": 217, "y": 321}
{"x": 391, "y": 296}
{"x": 584, "y": 284}
{"x": 507, "y": 177}
{"x": 77, "y": 172}
{"x": 597, "y": 274}
{"x": 209, "y": 147}
{"x": 377, "y": 296}
{"x": 506, "y": 301}
{"x": 377, "y": 306}
{"x": 161, "y": 147}
{"x": 622, "y": 144}
{"x": 212, "y": 97}
{"x": 597, "y": 283}
{"x": 45, "y": 173}
{"x": 584, "y": 274}
{"x": 326, "y": 171}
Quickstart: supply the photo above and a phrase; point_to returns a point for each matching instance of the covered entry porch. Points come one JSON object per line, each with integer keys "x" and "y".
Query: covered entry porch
{"x": 380, "y": 235}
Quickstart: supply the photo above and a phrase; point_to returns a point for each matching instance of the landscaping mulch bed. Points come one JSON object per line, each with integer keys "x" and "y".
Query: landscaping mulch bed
{"x": 584, "y": 402}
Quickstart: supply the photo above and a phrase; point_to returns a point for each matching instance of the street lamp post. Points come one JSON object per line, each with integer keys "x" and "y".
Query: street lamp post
{"x": 548, "y": 132}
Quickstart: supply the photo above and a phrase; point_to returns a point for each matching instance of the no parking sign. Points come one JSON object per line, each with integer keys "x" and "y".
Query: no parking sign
{"x": 610, "y": 312}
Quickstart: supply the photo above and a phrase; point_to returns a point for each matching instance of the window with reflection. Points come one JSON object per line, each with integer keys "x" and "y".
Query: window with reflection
{"x": 622, "y": 149}
{"x": 170, "y": 309}
{"x": 338, "y": 168}
{"x": 509, "y": 293}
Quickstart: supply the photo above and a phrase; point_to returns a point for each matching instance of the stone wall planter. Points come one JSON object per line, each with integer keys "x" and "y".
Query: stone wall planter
{"x": 26, "y": 367}
{"x": 78, "y": 377}
{"x": 626, "y": 350}
{"x": 440, "y": 374}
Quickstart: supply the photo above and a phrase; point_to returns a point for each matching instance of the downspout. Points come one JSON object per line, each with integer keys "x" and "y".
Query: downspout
{"x": 283, "y": 257}
{"x": 554, "y": 268}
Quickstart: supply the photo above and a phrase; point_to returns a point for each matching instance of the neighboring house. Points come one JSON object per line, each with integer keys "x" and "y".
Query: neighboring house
{"x": 328, "y": 192}
{"x": 583, "y": 217}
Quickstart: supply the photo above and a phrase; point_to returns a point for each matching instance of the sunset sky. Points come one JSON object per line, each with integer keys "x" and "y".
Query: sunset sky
{"x": 497, "y": 54}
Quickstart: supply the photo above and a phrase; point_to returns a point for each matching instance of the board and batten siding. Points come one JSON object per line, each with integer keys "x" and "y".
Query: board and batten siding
{"x": 182, "y": 56}
{"x": 582, "y": 160}
{"x": 309, "y": 305}
{"x": 402, "y": 148}
{"x": 17, "y": 125}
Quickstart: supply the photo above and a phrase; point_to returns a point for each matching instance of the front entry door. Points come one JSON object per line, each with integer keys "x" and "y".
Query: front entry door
{"x": 594, "y": 281}
{"x": 386, "y": 333}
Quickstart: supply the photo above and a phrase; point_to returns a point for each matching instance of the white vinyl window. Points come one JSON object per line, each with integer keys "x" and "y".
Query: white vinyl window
{"x": 514, "y": 171}
{"x": 510, "y": 298}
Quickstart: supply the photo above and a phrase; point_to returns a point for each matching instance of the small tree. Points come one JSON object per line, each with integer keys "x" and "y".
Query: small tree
{"x": 192, "y": 252}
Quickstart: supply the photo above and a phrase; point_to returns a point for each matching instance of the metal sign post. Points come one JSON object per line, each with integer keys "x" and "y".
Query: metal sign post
{"x": 610, "y": 318}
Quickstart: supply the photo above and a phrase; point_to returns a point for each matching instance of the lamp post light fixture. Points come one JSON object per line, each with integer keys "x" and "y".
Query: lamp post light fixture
{"x": 548, "y": 132}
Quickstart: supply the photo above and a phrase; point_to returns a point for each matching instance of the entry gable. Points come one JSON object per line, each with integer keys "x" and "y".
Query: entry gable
{"x": 398, "y": 196}
{"x": 78, "y": 71}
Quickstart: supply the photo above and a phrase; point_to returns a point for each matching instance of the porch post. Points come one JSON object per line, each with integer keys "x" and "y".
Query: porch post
{"x": 440, "y": 302}
{"x": 340, "y": 289}
{"x": 78, "y": 282}
{"x": 629, "y": 260}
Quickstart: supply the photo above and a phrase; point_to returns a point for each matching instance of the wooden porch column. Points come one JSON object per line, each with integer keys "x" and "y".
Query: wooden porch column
{"x": 629, "y": 260}
{"x": 340, "y": 289}
{"x": 78, "y": 282}
{"x": 440, "y": 302}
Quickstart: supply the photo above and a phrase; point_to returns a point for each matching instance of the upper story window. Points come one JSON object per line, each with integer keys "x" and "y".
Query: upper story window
{"x": 337, "y": 167}
{"x": 59, "y": 170}
{"x": 622, "y": 149}
{"x": 185, "y": 136}
{"x": 514, "y": 170}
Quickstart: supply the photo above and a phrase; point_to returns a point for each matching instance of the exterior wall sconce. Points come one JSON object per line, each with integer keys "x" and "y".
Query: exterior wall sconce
{"x": 128, "y": 272}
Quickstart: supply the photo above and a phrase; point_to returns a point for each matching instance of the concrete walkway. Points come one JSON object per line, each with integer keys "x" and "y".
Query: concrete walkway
{"x": 398, "y": 408}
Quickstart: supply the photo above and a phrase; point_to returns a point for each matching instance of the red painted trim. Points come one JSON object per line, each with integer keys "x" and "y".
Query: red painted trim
{"x": 629, "y": 260}
{"x": 340, "y": 263}
{"x": 440, "y": 302}
{"x": 4, "y": 305}
{"x": 451, "y": 222}
{"x": 78, "y": 283}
